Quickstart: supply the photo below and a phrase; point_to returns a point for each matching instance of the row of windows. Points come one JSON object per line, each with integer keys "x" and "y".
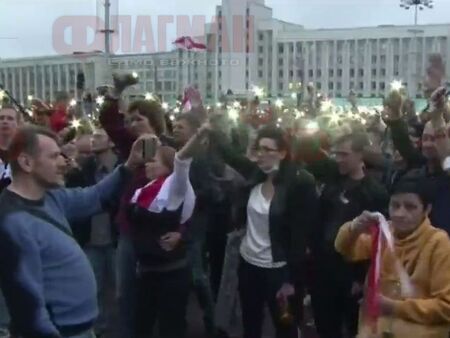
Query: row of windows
{"x": 331, "y": 73}
{"x": 382, "y": 60}
{"x": 360, "y": 86}
{"x": 426, "y": 42}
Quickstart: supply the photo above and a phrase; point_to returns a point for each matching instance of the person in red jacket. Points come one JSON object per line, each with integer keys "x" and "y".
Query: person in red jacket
{"x": 59, "y": 119}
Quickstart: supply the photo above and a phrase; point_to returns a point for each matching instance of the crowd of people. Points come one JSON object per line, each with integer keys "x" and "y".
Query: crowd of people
{"x": 137, "y": 212}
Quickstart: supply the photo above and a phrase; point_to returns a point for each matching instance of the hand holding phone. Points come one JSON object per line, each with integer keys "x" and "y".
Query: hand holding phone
{"x": 149, "y": 146}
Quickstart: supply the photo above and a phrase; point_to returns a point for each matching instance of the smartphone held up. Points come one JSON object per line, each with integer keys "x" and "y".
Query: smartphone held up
{"x": 149, "y": 147}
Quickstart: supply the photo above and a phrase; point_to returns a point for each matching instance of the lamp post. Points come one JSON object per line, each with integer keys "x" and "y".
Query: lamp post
{"x": 418, "y": 5}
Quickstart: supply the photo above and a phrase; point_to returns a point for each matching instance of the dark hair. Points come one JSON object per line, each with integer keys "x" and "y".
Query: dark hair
{"x": 26, "y": 141}
{"x": 191, "y": 119}
{"x": 359, "y": 141}
{"x": 276, "y": 134}
{"x": 416, "y": 183}
{"x": 153, "y": 111}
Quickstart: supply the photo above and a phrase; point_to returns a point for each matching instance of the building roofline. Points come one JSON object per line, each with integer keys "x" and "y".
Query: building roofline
{"x": 387, "y": 26}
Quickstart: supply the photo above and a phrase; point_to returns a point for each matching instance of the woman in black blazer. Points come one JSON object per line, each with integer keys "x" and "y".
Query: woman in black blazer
{"x": 279, "y": 208}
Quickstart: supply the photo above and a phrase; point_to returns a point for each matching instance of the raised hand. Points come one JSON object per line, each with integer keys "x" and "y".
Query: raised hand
{"x": 136, "y": 157}
{"x": 194, "y": 96}
{"x": 393, "y": 106}
{"x": 363, "y": 222}
{"x": 122, "y": 81}
{"x": 437, "y": 99}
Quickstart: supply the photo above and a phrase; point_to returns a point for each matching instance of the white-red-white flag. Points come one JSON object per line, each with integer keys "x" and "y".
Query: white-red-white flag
{"x": 187, "y": 43}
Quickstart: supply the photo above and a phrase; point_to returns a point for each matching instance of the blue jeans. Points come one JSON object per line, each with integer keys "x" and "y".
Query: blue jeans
{"x": 126, "y": 286}
{"x": 102, "y": 259}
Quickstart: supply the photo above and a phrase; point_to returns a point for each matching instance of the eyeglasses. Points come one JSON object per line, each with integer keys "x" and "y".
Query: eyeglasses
{"x": 264, "y": 150}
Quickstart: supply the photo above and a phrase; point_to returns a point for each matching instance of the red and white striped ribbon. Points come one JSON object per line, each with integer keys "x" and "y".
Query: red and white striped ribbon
{"x": 380, "y": 232}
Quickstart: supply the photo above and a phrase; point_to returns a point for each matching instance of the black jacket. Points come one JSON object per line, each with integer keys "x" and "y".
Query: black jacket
{"x": 439, "y": 181}
{"x": 341, "y": 200}
{"x": 293, "y": 209}
{"x": 147, "y": 229}
{"x": 85, "y": 177}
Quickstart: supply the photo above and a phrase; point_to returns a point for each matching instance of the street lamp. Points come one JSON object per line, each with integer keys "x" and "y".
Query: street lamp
{"x": 418, "y": 5}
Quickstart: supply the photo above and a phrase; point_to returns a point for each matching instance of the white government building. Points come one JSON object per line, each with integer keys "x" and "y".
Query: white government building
{"x": 270, "y": 53}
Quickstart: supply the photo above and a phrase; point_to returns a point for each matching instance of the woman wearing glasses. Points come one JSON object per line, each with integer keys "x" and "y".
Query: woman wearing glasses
{"x": 279, "y": 208}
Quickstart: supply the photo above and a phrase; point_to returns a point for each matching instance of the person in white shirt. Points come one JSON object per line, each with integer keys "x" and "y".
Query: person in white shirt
{"x": 281, "y": 208}
{"x": 159, "y": 212}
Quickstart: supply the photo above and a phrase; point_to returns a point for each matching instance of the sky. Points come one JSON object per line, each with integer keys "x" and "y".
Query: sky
{"x": 27, "y": 26}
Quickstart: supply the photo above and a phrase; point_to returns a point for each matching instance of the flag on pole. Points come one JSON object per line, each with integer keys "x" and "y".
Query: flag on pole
{"x": 187, "y": 43}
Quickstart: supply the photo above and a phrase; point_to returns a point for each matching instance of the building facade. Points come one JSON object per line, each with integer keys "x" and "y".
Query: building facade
{"x": 248, "y": 47}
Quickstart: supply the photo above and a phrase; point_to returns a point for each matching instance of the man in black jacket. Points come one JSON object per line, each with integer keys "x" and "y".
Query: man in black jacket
{"x": 98, "y": 235}
{"x": 349, "y": 193}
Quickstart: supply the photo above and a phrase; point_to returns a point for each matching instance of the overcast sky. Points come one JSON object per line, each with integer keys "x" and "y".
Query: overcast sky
{"x": 26, "y": 25}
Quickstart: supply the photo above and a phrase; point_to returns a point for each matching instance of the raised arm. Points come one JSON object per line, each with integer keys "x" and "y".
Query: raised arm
{"x": 179, "y": 182}
{"x": 438, "y": 122}
{"x": 22, "y": 282}
{"x": 239, "y": 162}
{"x": 400, "y": 138}
{"x": 80, "y": 203}
{"x": 399, "y": 130}
{"x": 113, "y": 122}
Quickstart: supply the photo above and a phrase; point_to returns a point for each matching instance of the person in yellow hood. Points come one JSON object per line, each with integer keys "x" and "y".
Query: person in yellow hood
{"x": 424, "y": 253}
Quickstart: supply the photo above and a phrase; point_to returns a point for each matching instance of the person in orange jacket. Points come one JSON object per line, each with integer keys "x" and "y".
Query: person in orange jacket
{"x": 424, "y": 253}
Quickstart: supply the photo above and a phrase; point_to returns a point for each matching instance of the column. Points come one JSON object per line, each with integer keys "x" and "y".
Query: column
{"x": 377, "y": 67}
{"x": 368, "y": 61}
{"x": 306, "y": 68}
{"x": 4, "y": 75}
{"x": 274, "y": 66}
{"x": 314, "y": 61}
{"x": 295, "y": 79}
{"x": 51, "y": 84}
{"x": 325, "y": 66}
{"x": 35, "y": 70}
{"x": 336, "y": 66}
{"x": 59, "y": 77}
{"x": 28, "y": 91}
{"x": 412, "y": 66}
{"x": 424, "y": 55}
{"x": 286, "y": 68}
{"x": 347, "y": 65}
{"x": 66, "y": 70}
{"x": 21, "y": 95}
{"x": 43, "y": 82}
{"x": 14, "y": 84}
{"x": 401, "y": 57}
{"x": 75, "y": 69}
{"x": 389, "y": 65}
